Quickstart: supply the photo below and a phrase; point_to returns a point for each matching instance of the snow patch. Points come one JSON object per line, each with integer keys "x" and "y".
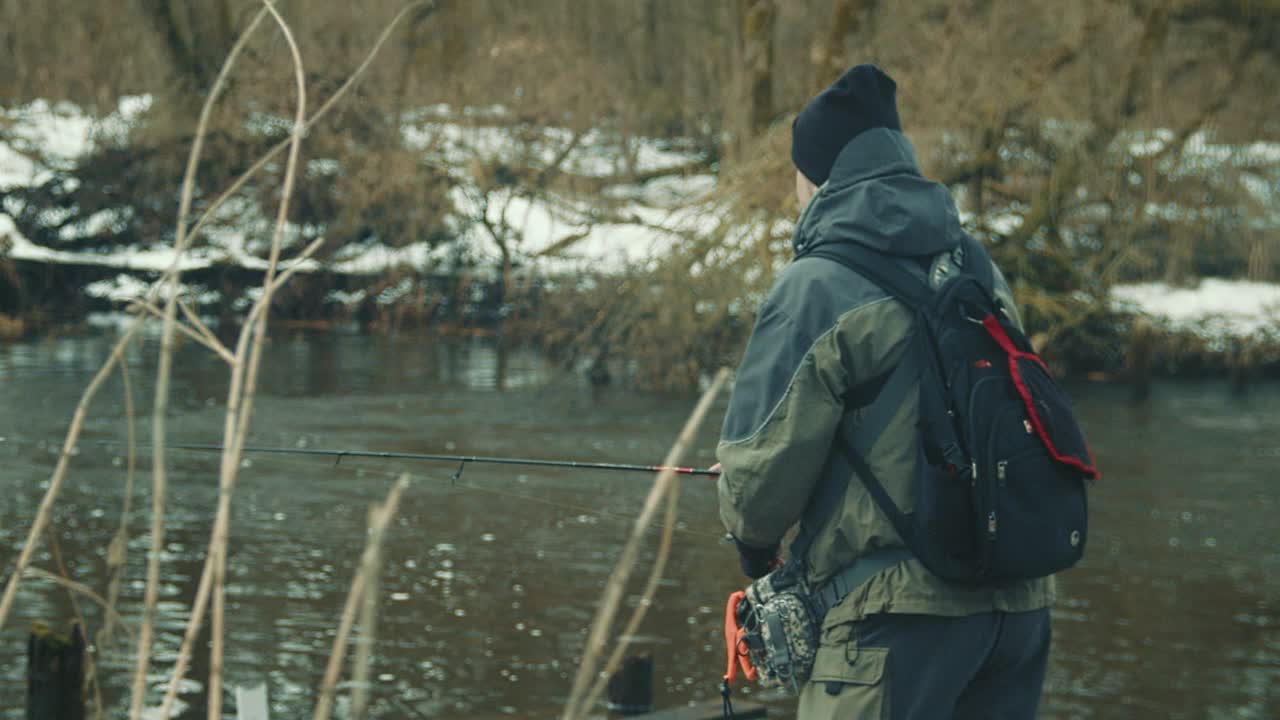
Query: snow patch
{"x": 43, "y": 136}
{"x": 1216, "y": 307}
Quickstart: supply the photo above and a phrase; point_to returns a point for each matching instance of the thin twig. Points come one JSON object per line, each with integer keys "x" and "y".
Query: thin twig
{"x": 142, "y": 305}
{"x": 200, "y": 604}
{"x": 324, "y": 109}
{"x": 91, "y": 666}
{"x": 118, "y": 550}
{"x": 368, "y": 634}
{"x": 60, "y": 474}
{"x": 646, "y": 598}
{"x": 296, "y": 263}
{"x": 231, "y": 457}
{"x": 160, "y": 407}
{"x": 359, "y": 585}
{"x": 577, "y": 704}
{"x": 83, "y": 591}
{"x": 212, "y": 341}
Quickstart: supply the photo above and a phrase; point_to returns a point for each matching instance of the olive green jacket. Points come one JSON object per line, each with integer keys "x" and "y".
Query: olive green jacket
{"x": 822, "y": 332}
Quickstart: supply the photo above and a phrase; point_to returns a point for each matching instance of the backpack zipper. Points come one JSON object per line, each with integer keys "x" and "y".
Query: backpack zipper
{"x": 995, "y": 483}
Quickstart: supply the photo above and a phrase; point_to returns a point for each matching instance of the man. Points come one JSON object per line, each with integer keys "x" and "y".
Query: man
{"x": 914, "y": 646}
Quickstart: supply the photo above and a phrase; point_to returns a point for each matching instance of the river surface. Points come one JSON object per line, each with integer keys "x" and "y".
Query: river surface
{"x": 490, "y": 581}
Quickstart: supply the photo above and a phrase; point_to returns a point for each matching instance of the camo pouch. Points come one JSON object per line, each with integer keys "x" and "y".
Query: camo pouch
{"x": 780, "y": 629}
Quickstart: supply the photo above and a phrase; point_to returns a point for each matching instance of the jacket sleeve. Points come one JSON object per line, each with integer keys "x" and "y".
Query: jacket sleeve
{"x": 783, "y": 414}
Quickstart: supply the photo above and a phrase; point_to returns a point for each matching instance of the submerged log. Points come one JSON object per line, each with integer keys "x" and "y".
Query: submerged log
{"x": 55, "y": 674}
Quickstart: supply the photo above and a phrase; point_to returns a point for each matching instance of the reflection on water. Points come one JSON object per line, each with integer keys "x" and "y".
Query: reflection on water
{"x": 489, "y": 582}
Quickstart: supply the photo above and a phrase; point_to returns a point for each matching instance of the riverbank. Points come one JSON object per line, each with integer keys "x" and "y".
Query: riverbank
{"x": 609, "y": 252}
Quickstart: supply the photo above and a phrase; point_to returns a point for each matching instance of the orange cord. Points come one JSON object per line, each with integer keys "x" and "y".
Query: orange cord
{"x": 734, "y": 646}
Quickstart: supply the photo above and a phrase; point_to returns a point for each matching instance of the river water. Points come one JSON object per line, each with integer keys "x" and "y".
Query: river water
{"x": 490, "y": 580}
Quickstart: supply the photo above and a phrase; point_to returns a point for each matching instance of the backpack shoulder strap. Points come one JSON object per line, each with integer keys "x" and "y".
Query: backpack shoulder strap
{"x": 978, "y": 263}
{"x": 886, "y": 271}
{"x": 876, "y": 417}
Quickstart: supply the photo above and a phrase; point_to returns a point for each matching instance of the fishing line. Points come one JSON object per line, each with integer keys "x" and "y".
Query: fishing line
{"x": 456, "y": 481}
{"x": 338, "y": 455}
{"x": 583, "y": 509}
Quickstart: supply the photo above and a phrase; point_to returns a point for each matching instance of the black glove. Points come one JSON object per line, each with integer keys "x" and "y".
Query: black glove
{"x": 756, "y": 562}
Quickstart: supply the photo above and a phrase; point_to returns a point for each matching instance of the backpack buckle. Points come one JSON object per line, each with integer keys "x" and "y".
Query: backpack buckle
{"x": 954, "y": 456}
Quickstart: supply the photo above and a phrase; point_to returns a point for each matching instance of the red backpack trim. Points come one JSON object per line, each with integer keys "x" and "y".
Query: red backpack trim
{"x": 997, "y": 333}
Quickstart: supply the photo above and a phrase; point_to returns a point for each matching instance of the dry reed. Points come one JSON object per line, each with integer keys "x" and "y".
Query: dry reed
{"x": 118, "y": 549}
{"x": 83, "y": 591}
{"x": 56, "y": 481}
{"x": 235, "y": 417}
{"x": 584, "y": 692}
{"x": 160, "y": 406}
{"x": 360, "y": 664}
{"x": 91, "y": 680}
{"x": 232, "y": 454}
{"x": 324, "y": 109}
{"x": 360, "y": 585}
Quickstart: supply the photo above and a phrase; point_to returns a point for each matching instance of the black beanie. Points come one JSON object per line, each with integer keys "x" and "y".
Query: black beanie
{"x": 863, "y": 98}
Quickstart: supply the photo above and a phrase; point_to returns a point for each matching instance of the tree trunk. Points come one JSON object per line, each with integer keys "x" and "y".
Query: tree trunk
{"x": 757, "y": 62}
{"x": 828, "y": 56}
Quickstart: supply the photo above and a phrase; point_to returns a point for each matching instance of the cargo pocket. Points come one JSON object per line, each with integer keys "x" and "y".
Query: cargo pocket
{"x": 847, "y": 682}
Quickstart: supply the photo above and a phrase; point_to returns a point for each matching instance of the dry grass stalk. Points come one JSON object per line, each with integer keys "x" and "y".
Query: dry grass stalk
{"x": 83, "y": 591}
{"x": 118, "y": 550}
{"x": 164, "y": 368}
{"x": 168, "y": 279}
{"x": 91, "y": 680}
{"x": 197, "y": 331}
{"x": 234, "y": 394}
{"x": 646, "y": 598}
{"x": 360, "y": 664}
{"x": 360, "y": 585}
{"x": 321, "y": 112}
{"x": 59, "y": 476}
{"x": 580, "y": 696}
{"x": 231, "y": 455}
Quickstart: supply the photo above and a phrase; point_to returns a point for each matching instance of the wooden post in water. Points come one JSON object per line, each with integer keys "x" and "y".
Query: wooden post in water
{"x": 631, "y": 688}
{"x": 1242, "y": 364}
{"x": 1139, "y": 357}
{"x": 631, "y": 693}
{"x": 55, "y": 674}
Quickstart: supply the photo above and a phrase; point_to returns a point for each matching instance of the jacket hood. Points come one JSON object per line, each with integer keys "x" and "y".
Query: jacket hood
{"x": 876, "y": 197}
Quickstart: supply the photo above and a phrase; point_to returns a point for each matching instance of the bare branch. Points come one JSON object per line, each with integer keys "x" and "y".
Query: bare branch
{"x": 164, "y": 367}
{"x": 359, "y": 585}
{"x": 141, "y": 305}
{"x": 580, "y": 697}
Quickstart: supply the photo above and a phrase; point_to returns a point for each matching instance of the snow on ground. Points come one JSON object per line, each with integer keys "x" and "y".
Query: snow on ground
{"x": 40, "y": 134}
{"x": 549, "y": 233}
{"x": 41, "y": 137}
{"x": 1215, "y": 308}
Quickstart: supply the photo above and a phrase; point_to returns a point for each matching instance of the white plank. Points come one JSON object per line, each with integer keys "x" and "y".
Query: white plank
{"x": 251, "y": 702}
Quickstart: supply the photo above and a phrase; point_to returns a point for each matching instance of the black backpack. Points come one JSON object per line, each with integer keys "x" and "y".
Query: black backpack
{"x": 1000, "y": 486}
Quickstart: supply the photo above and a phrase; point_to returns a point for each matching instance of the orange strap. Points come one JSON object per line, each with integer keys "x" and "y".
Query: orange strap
{"x": 735, "y": 651}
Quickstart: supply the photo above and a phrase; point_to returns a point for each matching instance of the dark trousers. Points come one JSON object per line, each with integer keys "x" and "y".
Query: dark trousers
{"x": 988, "y": 666}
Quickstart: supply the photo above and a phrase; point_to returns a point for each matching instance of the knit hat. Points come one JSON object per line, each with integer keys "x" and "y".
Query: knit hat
{"x": 863, "y": 98}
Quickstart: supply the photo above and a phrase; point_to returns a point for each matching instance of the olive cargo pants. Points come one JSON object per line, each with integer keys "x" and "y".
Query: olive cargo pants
{"x": 926, "y": 667}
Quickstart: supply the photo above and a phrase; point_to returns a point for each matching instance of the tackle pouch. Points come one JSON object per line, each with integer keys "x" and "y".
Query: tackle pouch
{"x": 779, "y": 629}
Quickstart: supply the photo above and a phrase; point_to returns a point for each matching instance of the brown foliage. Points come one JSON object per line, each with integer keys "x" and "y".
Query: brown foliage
{"x": 1031, "y": 110}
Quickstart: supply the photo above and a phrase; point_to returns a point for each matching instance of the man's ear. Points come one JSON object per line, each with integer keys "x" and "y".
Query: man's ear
{"x": 805, "y": 190}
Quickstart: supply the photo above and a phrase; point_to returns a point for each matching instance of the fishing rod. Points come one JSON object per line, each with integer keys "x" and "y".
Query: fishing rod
{"x": 462, "y": 460}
